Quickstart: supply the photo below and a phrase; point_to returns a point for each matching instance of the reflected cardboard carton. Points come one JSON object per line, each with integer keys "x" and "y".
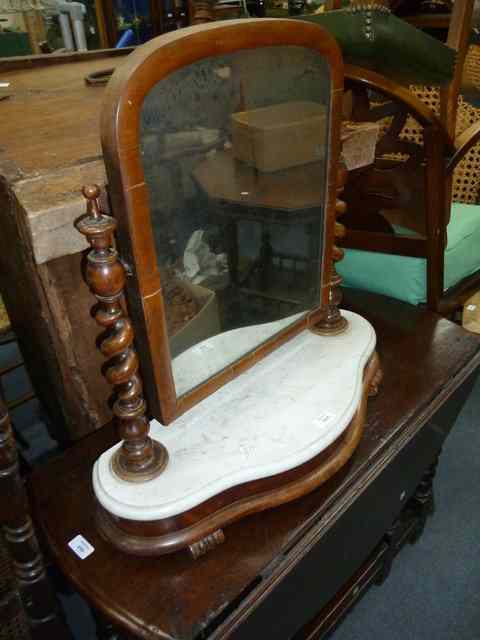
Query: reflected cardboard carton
{"x": 205, "y": 324}
{"x": 281, "y": 136}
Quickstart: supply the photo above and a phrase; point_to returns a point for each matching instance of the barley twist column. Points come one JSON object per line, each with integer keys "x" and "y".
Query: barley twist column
{"x": 333, "y": 322}
{"x": 139, "y": 458}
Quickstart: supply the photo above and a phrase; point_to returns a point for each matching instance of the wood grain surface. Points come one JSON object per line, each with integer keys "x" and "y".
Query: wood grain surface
{"x": 50, "y": 147}
{"x": 425, "y": 359}
{"x": 52, "y": 119}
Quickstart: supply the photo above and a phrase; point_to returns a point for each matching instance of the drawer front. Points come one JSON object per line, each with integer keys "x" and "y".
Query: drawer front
{"x": 340, "y": 552}
{"x": 331, "y": 615}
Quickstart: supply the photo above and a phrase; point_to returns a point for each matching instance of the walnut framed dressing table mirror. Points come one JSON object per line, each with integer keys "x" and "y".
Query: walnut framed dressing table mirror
{"x": 222, "y": 146}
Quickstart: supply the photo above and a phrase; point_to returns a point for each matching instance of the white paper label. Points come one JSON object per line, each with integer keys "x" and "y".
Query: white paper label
{"x": 323, "y": 419}
{"x": 81, "y": 547}
{"x": 202, "y": 348}
{"x": 471, "y": 307}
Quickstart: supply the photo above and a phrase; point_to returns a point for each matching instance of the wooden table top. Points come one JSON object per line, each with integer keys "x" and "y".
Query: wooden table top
{"x": 52, "y": 118}
{"x": 50, "y": 143}
{"x": 425, "y": 359}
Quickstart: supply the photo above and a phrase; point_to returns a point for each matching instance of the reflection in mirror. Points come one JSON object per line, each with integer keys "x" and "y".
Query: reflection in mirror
{"x": 234, "y": 151}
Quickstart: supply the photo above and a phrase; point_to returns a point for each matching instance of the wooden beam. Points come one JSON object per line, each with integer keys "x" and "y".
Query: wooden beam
{"x": 35, "y": 26}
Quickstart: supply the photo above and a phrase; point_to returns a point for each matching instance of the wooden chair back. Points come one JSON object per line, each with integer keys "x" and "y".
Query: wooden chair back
{"x": 466, "y": 176}
{"x": 409, "y": 183}
{"x": 457, "y": 39}
{"x": 402, "y": 187}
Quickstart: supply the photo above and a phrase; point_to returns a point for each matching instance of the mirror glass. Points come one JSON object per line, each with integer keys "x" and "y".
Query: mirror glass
{"x": 234, "y": 151}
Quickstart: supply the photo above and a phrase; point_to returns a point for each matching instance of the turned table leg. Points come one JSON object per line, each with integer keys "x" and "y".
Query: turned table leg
{"x": 423, "y": 502}
{"x": 265, "y": 260}
{"x": 36, "y": 592}
{"x": 106, "y": 630}
{"x": 410, "y": 525}
{"x": 231, "y": 233}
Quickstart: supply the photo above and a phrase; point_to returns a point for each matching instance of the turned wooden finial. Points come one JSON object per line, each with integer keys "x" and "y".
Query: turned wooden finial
{"x": 92, "y": 192}
{"x": 333, "y": 322}
{"x": 139, "y": 458}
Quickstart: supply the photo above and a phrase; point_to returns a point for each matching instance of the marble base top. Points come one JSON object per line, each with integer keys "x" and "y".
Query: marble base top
{"x": 279, "y": 414}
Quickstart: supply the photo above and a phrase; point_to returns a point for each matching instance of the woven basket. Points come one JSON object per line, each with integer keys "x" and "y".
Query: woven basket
{"x": 466, "y": 177}
{"x": 471, "y": 69}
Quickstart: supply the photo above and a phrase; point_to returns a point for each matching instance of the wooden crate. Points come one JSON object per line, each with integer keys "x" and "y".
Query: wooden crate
{"x": 280, "y": 136}
{"x": 205, "y": 324}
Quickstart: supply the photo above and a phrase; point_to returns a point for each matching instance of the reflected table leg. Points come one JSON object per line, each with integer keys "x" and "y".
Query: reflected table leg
{"x": 266, "y": 255}
{"x": 231, "y": 233}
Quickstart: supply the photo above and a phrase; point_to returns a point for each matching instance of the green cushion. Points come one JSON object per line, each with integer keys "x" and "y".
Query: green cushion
{"x": 405, "y": 278}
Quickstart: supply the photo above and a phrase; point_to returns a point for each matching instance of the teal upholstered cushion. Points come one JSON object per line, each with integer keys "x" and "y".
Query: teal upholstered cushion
{"x": 405, "y": 278}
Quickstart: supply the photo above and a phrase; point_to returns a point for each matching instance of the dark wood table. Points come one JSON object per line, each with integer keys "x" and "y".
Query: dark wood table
{"x": 239, "y": 192}
{"x": 293, "y": 571}
{"x": 282, "y": 194}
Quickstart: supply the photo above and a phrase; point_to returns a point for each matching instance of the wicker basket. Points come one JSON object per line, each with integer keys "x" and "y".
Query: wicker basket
{"x": 471, "y": 70}
{"x": 466, "y": 177}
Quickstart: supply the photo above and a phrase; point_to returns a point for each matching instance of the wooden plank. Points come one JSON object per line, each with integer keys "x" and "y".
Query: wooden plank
{"x": 53, "y": 205}
{"x": 52, "y": 119}
{"x": 35, "y": 28}
{"x": 385, "y": 243}
{"x": 27, "y": 308}
{"x": 429, "y": 20}
{"x": 86, "y": 392}
{"x": 49, "y": 309}
{"x": 15, "y": 63}
{"x": 102, "y": 25}
{"x": 458, "y": 39}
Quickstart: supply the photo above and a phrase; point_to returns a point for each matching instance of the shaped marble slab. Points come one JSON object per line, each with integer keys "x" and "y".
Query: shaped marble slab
{"x": 205, "y": 359}
{"x": 277, "y": 415}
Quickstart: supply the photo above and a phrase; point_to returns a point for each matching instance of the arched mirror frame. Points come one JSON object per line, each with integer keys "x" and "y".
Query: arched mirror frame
{"x": 120, "y": 129}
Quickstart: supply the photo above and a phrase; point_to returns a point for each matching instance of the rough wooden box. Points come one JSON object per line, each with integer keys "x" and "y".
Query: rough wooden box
{"x": 280, "y": 136}
{"x": 204, "y": 325}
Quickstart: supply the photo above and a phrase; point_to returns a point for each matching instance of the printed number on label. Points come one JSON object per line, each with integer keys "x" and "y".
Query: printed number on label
{"x": 81, "y": 547}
